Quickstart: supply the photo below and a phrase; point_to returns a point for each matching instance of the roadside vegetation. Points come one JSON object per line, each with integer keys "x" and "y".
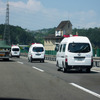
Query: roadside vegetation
{"x": 22, "y": 36}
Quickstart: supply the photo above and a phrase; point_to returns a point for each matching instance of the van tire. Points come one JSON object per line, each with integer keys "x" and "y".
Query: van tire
{"x": 58, "y": 68}
{"x": 64, "y": 69}
{"x": 80, "y": 70}
{"x": 18, "y": 57}
{"x": 88, "y": 70}
{"x": 31, "y": 60}
{"x": 42, "y": 60}
{"x": 6, "y": 59}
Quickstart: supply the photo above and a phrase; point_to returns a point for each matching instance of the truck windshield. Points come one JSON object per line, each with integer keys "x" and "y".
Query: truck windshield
{"x": 38, "y": 49}
{"x": 79, "y": 47}
{"x": 15, "y": 49}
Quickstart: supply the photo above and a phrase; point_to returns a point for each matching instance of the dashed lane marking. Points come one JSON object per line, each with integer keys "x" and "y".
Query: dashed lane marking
{"x": 38, "y": 69}
{"x": 20, "y": 62}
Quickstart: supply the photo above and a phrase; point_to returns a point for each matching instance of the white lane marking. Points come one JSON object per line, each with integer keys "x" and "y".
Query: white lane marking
{"x": 86, "y": 90}
{"x": 20, "y": 62}
{"x": 38, "y": 69}
{"x": 95, "y": 71}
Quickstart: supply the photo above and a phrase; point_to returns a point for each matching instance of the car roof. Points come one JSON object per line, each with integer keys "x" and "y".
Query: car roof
{"x": 81, "y": 39}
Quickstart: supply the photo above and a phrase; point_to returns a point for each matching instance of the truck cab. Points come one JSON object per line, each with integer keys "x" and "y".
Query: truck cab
{"x": 4, "y": 50}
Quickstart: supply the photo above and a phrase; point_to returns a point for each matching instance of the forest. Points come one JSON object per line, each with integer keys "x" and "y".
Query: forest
{"x": 92, "y": 33}
{"x": 18, "y": 35}
{"x": 22, "y": 36}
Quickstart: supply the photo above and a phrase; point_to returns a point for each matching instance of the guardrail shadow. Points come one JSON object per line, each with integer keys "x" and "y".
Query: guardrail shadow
{"x": 15, "y": 99}
{"x": 74, "y": 71}
{"x": 10, "y": 60}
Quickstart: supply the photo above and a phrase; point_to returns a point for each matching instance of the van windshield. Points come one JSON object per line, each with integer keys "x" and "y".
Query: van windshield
{"x": 15, "y": 49}
{"x": 79, "y": 47}
{"x": 38, "y": 49}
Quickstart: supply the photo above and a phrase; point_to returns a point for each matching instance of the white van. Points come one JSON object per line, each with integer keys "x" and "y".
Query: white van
{"x": 15, "y": 51}
{"x": 36, "y": 52}
{"x": 74, "y": 53}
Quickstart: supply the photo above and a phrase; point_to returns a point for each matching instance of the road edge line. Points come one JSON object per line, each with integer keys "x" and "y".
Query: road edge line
{"x": 86, "y": 90}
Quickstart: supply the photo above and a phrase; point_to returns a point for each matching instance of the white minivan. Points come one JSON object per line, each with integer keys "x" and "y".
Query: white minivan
{"x": 74, "y": 53}
{"x": 15, "y": 51}
{"x": 36, "y": 52}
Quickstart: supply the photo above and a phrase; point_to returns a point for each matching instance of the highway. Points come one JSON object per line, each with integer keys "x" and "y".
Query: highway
{"x": 22, "y": 80}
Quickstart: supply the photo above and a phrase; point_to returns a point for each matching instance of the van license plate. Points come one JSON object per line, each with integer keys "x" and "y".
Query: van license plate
{"x": 38, "y": 54}
{"x": 15, "y": 52}
{"x": 79, "y": 59}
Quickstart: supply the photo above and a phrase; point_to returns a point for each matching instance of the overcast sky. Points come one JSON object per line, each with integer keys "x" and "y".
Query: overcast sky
{"x": 39, "y": 14}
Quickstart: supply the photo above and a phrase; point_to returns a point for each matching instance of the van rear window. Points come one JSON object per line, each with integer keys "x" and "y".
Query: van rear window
{"x": 15, "y": 49}
{"x": 79, "y": 47}
{"x": 38, "y": 49}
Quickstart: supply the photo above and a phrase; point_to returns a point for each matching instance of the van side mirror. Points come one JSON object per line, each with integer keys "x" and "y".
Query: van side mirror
{"x": 56, "y": 48}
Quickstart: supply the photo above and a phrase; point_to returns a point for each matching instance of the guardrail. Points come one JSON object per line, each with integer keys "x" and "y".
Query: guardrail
{"x": 50, "y": 57}
{"x": 96, "y": 63}
{"x": 96, "y": 60}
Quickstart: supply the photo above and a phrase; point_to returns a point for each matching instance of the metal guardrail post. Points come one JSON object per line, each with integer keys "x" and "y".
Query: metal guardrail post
{"x": 96, "y": 60}
{"x": 96, "y": 63}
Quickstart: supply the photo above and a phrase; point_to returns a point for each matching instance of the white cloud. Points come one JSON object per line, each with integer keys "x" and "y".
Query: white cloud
{"x": 18, "y": 5}
{"x": 33, "y": 14}
{"x": 89, "y": 15}
{"x": 2, "y": 8}
{"x": 34, "y": 5}
{"x": 31, "y": 6}
{"x": 92, "y": 25}
{"x": 84, "y": 19}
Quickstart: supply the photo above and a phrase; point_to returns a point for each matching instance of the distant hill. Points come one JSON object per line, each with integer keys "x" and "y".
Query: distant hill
{"x": 92, "y": 33}
{"x": 18, "y": 35}
{"x": 40, "y": 34}
{"x": 24, "y": 36}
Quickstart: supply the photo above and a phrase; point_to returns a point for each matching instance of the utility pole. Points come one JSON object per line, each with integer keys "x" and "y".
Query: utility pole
{"x": 6, "y": 35}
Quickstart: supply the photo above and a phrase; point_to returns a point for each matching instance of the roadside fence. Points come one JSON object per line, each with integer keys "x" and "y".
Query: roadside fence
{"x": 51, "y": 55}
{"x": 96, "y": 52}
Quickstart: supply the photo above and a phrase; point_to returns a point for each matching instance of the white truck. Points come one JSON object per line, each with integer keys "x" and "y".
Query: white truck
{"x": 4, "y": 50}
{"x": 74, "y": 53}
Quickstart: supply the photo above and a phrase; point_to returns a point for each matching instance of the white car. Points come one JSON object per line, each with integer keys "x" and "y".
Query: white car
{"x": 75, "y": 53}
{"x": 36, "y": 52}
{"x": 15, "y": 51}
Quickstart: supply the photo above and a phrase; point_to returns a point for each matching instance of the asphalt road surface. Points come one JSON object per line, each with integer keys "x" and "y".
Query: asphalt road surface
{"x": 22, "y": 80}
